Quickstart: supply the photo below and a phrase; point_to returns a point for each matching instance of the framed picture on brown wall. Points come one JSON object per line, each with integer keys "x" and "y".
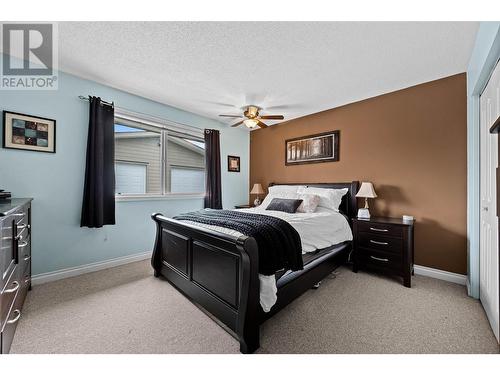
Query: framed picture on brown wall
{"x": 233, "y": 163}
{"x": 316, "y": 148}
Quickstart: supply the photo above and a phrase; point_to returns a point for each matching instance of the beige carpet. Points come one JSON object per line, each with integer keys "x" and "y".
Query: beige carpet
{"x": 127, "y": 310}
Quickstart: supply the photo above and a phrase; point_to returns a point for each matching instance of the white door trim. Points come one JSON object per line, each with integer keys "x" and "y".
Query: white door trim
{"x": 488, "y": 249}
{"x": 478, "y": 73}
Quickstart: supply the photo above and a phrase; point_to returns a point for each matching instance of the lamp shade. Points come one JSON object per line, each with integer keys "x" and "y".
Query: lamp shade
{"x": 250, "y": 123}
{"x": 257, "y": 189}
{"x": 366, "y": 191}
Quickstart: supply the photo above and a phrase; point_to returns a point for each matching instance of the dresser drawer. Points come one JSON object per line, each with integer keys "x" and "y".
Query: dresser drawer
{"x": 24, "y": 246}
{"x": 8, "y": 295}
{"x": 379, "y": 259}
{"x": 10, "y": 324}
{"x": 381, "y": 243}
{"x": 7, "y": 249}
{"x": 21, "y": 218}
{"x": 22, "y": 231}
{"x": 382, "y": 229}
{"x": 21, "y": 215}
{"x": 25, "y": 276}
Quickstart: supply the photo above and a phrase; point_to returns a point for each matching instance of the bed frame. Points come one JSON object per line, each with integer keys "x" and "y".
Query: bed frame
{"x": 219, "y": 272}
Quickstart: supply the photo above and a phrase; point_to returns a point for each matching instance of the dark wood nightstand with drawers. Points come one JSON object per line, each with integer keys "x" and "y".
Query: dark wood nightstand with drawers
{"x": 384, "y": 244}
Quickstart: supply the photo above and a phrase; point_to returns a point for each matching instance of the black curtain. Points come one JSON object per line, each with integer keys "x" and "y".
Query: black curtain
{"x": 98, "y": 206}
{"x": 213, "y": 196}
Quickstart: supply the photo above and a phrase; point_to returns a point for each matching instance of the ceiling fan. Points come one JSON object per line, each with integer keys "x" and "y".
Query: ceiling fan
{"x": 253, "y": 119}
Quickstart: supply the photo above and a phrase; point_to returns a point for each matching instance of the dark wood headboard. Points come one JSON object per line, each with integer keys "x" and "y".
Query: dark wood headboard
{"x": 349, "y": 205}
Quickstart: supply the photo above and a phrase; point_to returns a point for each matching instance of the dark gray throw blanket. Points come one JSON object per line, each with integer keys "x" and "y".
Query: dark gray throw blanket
{"x": 279, "y": 243}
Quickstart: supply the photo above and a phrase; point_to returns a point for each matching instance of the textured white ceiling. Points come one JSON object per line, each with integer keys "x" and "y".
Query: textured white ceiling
{"x": 287, "y": 68}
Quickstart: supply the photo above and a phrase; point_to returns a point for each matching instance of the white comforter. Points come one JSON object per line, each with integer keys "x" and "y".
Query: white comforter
{"x": 317, "y": 230}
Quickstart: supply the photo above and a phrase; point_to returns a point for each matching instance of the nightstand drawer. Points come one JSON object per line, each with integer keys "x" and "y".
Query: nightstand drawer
{"x": 380, "y": 259}
{"x": 383, "y": 243}
{"x": 382, "y": 229}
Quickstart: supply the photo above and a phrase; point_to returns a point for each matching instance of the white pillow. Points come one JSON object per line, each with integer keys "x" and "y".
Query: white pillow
{"x": 278, "y": 189}
{"x": 309, "y": 202}
{"x": 329, "y": 198}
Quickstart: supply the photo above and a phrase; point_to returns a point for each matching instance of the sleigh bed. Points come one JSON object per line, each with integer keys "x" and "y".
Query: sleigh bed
{"x": 219, "y": 272}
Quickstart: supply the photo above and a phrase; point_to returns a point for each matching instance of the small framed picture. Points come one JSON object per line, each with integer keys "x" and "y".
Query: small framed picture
{"x": 31, "y": 133}
{"x": 233, "y": 163}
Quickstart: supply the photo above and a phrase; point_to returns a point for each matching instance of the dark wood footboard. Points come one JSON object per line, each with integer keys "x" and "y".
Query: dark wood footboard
{"x": 218, "y": 272}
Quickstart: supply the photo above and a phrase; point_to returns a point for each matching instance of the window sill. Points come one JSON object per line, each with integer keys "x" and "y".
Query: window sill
{"x": 167, "y": 197}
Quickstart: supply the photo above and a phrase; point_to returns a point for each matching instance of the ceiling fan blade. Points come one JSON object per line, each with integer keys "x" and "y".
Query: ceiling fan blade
{"x": 272, "y": 117}
{"x": 238, "y": 123}
{"x": 260, "y": 124}
{"x": 234, "y": 116}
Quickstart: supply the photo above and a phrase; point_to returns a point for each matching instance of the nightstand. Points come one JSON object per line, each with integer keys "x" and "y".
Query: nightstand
{"x": 243, "y": 206}
{"x": 385, "y": 245}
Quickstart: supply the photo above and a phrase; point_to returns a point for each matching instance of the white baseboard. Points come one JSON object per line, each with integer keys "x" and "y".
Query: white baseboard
{"x": 440, "y": 274}
{"x": 87, "y": 268}
{"x": 97, "y": 266}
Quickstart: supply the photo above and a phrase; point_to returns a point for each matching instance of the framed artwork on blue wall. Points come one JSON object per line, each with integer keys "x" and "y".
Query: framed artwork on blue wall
{"x": 30, "y": 133}
{"x": 233, "y": 163}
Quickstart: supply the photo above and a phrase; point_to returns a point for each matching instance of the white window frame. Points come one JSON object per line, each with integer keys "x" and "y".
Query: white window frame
{"x": 165, "y": 128}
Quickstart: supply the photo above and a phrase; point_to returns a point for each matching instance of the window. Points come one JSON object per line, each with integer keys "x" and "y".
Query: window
{"x": 152, "y": 159}
{"x": 130, "y": 178}
{"x": 186, "y": 180}
{"x": 185, "y": 165}
{"x": 137, "y": 160}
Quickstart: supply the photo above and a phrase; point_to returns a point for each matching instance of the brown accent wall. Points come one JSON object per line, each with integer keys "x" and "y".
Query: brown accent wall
{"x": 410, "y": 143}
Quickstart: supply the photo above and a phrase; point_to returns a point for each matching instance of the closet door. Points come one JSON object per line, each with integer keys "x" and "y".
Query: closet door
{"x": 489, "y": 259}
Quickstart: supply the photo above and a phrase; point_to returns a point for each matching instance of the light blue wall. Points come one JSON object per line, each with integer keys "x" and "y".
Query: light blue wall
{"x": 484, "y": 56}
{"x": 55, "y": 181}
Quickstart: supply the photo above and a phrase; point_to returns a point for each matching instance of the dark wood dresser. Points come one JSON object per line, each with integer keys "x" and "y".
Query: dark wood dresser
{"x": 385, "y": 245}
{"x": 15, "y": 265}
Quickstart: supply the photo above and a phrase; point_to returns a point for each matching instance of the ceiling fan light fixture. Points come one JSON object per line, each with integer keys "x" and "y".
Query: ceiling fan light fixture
{"x": 250, "y": 123}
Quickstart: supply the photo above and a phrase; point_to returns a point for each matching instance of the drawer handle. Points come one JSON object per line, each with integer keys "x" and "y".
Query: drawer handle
{"x": 379, "y": 230}
{"x": 27, "y": 257}
{"x": 19, "y": 237}
{"x": 22, "y": 214}
{"x": 379, "y": 243}
{"x": 379, "y": 259}
{"x": 24, "y": 244}
{"x": 18, "y": 315}
{"x": 23, "y": 226}
{"x": 15, "y": 287}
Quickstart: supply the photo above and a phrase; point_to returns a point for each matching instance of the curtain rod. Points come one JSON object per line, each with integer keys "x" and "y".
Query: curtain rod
{"x": 102, "y": 101}
{"x": 158, "y": 119}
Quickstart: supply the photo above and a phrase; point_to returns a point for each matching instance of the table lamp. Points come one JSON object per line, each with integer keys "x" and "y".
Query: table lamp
{"x": 365, "y": 191}
{"x": 257, "y": 189}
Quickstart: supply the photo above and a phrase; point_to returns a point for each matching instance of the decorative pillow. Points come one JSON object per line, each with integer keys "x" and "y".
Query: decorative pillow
{"x": 284, "y": 194}
{"x": 329, "y": 198}
{"x": 309, "y": 202}
{"x": 285, "y": 205}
